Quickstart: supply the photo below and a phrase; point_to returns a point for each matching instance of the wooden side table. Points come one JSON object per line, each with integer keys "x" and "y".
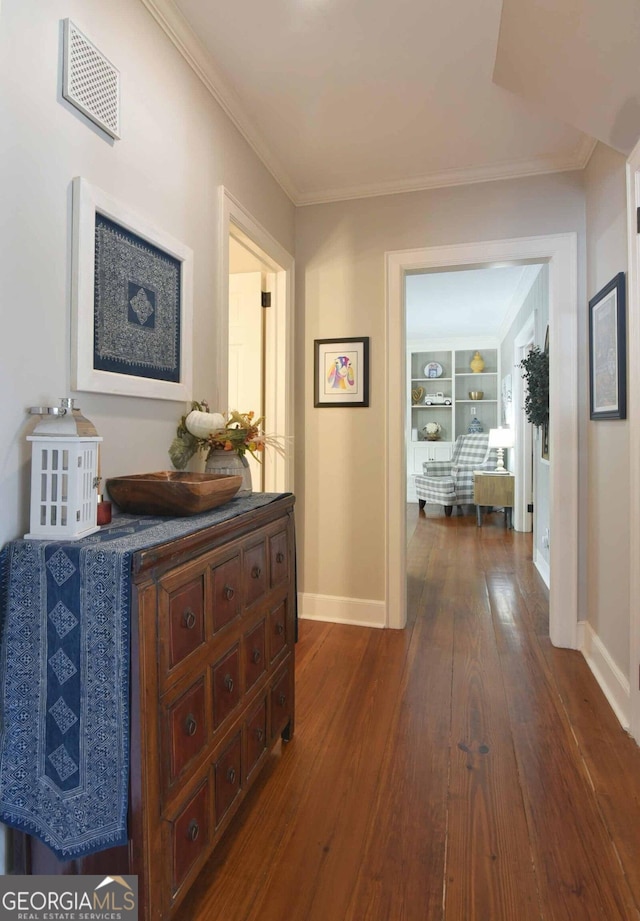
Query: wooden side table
{"x": 493, "y": 489}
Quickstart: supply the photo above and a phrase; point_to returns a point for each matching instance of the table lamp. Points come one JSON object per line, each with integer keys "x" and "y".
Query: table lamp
{"x": 500, "y": 438}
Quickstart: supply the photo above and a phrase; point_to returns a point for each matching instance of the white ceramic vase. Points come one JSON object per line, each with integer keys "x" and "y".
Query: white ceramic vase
{"x": 231, "y": 464}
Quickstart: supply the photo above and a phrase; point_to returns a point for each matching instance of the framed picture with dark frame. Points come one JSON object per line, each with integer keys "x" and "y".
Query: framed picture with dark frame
{"x": 608, "y": 351}
{"x": 131, "y": 302}
{"x": 341, "y": 372}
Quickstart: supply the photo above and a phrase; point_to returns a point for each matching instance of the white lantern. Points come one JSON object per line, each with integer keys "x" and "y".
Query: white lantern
{"x": 64, "y": 474}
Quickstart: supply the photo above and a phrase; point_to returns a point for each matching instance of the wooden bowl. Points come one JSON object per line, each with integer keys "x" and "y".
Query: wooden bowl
{"x": 172, "y": 492}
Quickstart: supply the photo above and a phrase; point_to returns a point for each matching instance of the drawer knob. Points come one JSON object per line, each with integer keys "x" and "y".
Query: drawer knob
{"x": 228, "y": 592}
{"x": 256, "y": 655}
{"x": 228, "y": 683}
{"x": 259, "y": 734}
{"x": 256, "y": 572}
{"x": 279, "y": 557}
{"x": 189, "y": 619}
{"x": 193, "y": 830}
{"x": 191, "y": 725}
{"x": 231, "y": 775}
{"x": 282, "y": 699}
{"x": 279, "y": 628}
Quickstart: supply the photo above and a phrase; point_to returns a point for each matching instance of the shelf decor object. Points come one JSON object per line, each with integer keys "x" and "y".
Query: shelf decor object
{"x": 607, "y": 352}
{"x": 172, "y": 492}
{"x": 433, "y": 369}
{"x": 64, "y": 474}
{"x": 231, "y": 465}
{"x": 341, "y": 372}
{"x": 432, "y": 431}
{"x": 131, "y": 298}
{"x": 477, "y": 363}
{"x": 500, "y": 438}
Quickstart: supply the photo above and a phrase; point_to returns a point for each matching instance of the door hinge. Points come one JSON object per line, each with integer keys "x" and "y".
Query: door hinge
{"x": 266, "y": 298}
{"x": 530, "y": 507}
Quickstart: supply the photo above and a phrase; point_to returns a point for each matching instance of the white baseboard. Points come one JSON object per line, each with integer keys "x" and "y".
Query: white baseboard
{"x": 358, "y": 612}
{"x": 543, "y": 568}
{"x": 613, "y": 682}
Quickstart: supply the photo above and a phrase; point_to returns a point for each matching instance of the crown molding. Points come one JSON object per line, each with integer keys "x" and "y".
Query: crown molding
{"x": 585, "y": 150}
{"x": 178, "y": 30}
{"x": 518, "y": 169}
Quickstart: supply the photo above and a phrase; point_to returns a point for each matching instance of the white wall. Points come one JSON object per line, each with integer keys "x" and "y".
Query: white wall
{"x": 177, "y": 147}
{"x": 607, "y": 441}
{"x": 340, "y": 247}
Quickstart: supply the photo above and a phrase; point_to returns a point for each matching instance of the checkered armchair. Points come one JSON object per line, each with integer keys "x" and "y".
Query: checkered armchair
{"x": 450, "y": 483}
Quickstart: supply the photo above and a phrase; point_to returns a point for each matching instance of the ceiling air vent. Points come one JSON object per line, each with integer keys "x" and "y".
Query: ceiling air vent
{"x": 90, "y": 82}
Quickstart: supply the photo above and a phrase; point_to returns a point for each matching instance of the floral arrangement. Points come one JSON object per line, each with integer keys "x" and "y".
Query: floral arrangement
{"x": 200, "y": 430}
{"x": 432, "y": 431}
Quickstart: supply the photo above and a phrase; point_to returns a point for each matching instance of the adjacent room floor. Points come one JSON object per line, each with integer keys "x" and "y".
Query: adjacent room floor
{"x": 461, "y": 769}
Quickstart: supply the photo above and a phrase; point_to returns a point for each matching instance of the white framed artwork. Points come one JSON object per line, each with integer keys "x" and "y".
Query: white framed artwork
{"x": 132, "y": 291}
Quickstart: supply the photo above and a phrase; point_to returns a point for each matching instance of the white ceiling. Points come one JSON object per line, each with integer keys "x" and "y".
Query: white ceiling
{"x": 349, "y": 98}
{"x": 466, "y": 304}
{"x": 577, "y": 60}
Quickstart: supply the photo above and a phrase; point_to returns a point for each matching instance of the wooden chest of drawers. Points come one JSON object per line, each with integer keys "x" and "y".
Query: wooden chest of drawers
{"x": 212, "y": 677}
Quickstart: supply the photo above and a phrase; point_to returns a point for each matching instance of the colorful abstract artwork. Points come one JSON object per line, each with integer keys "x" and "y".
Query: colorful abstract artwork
{"x": 341, "y": 370}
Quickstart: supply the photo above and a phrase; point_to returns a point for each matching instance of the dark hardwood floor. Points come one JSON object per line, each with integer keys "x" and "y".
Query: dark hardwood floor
{"x": 460, "y": 770}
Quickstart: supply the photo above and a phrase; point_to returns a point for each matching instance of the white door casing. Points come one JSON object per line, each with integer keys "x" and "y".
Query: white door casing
{"x": 560, "y": 251}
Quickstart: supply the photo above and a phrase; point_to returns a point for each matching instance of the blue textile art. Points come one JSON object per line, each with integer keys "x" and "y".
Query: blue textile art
{"x": 64, "y": 673}
{"x": 137, "y": 299}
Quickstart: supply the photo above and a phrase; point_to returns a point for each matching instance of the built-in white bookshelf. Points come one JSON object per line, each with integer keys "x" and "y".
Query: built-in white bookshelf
{"x": 440, "y": 372}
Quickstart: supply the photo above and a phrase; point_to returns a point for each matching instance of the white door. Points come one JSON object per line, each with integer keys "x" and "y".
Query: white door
{"x": 246, "y": 353}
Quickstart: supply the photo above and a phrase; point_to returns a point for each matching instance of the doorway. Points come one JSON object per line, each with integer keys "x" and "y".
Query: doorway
{"x": 560, "y": 251}
{"x": 500, "y": 310}
{"x": 271, "y": 344}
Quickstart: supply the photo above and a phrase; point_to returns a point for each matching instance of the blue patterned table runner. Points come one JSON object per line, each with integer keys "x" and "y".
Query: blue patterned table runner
{"x": 64, "y": 678}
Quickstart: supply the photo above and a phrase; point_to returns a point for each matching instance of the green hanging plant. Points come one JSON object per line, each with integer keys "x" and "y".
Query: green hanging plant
{"x": 536, "y": 373}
